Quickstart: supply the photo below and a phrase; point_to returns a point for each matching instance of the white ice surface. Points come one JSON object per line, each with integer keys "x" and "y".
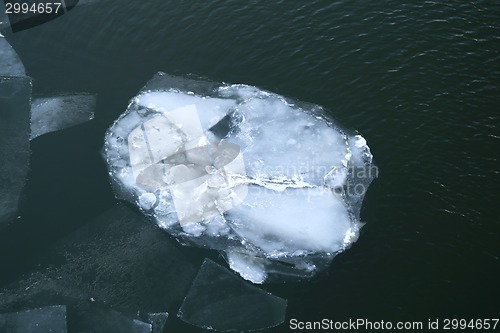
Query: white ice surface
{"x": 249, "y": 268}
{"x": 278, "y": 140}
{"x": 279, "y": 192}
{"x": 210, "y": 110}
{"x": 306, "y": 219}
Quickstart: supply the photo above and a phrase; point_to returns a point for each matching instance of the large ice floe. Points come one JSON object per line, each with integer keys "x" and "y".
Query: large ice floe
{"x": 272, "y": 183}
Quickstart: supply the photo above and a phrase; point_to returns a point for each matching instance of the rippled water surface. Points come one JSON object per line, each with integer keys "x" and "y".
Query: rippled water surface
{"x": 419, "y": 80}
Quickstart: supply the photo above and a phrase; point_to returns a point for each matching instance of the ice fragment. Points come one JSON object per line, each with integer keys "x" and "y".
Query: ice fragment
{"x": 157, "y": 321}
{"x": 14, "y": 143}
{"x": 51, "y": 114}
{"x": 10, "y": 64}
{"x": 221, "y": 301}
{"x": 40, "y": 320}
{"x": 98, "y": 319}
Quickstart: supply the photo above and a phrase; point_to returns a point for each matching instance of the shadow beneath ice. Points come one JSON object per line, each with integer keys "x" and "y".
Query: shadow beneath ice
{"x": 67, "y": 185}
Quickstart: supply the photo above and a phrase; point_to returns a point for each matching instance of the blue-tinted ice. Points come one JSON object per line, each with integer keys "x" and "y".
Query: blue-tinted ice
{"x": 221, "y": 301}
{"x": 271, "y": 182}
{"x": 97, "y": 319}
{"x": 10, "y": 64}
{"x": 15, "y": 95}
{"x": 50, "y": 114}
{"x": 22, "y": 120}
{"x": 40, "y": 320}
{"x": 4, "y": 20}
{"x": 157, "y": 321}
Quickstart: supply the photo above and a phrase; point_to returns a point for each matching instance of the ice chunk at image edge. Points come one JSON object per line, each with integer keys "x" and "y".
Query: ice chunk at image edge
{"x": 100, "y": 319}
{"x": 164, "y": 155}
{"x": 15, "y": 95}
{"x": 10, "y": 64}
{"x": 39, "y": 320}
{"x": 96, "y": 319}
{"x": 4, "y": 20}
{"x": 82, "y": 317}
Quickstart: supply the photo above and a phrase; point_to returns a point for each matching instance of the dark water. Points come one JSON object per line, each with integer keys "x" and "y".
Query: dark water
{"x": 419, "y": 80}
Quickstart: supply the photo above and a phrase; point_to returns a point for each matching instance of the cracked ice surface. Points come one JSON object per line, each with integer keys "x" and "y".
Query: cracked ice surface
{"x": 270, "y": 181}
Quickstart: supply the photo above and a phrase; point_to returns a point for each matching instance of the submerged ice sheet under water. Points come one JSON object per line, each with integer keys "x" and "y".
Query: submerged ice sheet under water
{"x": 50, "y": 114}
{"x": 271, "y": 182}
{"x": 15, "y": 95}
{"x": 240, "y": 308}
{"x": 40, "y": 320}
